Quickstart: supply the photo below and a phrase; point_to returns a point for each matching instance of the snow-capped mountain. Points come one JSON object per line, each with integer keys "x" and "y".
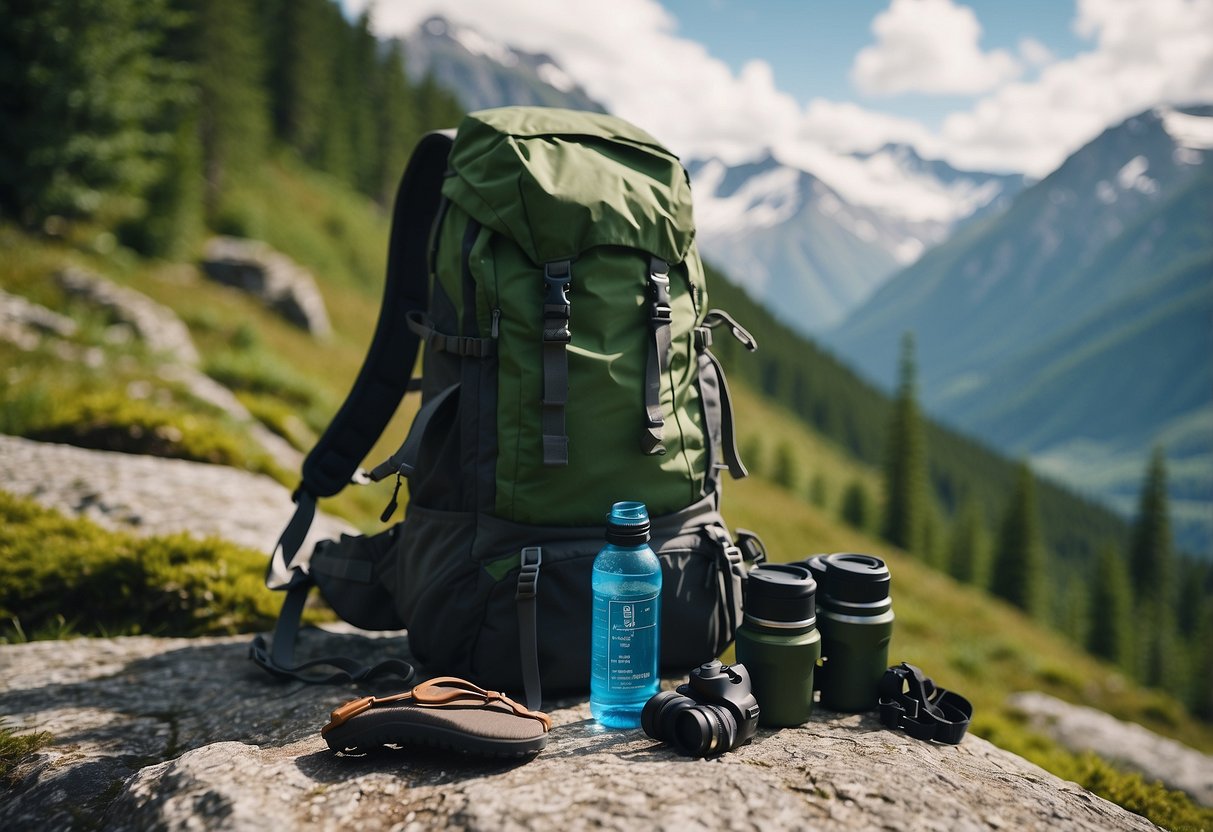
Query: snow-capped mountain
{"x": 483, "y": 72}
{"x": 813, "y": 246}
{"x": 1074, "y": 326}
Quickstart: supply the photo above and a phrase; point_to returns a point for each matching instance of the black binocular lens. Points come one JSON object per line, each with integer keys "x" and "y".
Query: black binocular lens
{"x": 704, "y": 730}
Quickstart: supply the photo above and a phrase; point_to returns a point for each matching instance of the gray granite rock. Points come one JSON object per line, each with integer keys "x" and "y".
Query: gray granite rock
{"x": 149, "y": 495}
{"x": 186, "y": 734}
{"x": 24, "y": 323}
{"x": 1132, "y": 746}
{"x": 155, "y": 325}
{"x": 271, "y": 277}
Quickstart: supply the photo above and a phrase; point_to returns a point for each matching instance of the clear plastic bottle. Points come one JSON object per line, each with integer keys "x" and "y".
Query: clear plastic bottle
{"x": 627, "y": 619}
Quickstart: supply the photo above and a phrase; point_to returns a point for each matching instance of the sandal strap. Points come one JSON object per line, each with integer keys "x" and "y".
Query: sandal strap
{"x": 440, "y": 692}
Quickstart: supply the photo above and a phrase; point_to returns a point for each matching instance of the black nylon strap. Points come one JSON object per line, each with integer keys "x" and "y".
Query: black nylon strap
{"x": 528, "y": 625}
{"x": 556, "y": 337}
{"x": 389, "y": 361}
{"x": 370, "y": 404}
{"x": 910, "y": 701}
{"x": 651, "y": 440}
{"x": 462, "y": 345}
{"x": 404, "y": 461}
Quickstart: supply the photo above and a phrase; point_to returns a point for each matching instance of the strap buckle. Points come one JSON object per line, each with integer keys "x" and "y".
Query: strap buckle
{"x": 528, "y": 577}
{"x": 660, "y": 305}
{"x": 557, "y": 278}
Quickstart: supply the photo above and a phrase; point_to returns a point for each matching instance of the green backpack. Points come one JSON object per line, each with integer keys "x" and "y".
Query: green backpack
{"x": 546, "y": 260}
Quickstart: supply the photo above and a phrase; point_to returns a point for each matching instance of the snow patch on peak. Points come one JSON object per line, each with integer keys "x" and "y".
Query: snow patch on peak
{"x": 555, "y": 76}
{"x": 766, "y": 199}
{"x": 1189, "y": 131}
{"x": 478, "y": 44}
{"x": 1133, "y": 176}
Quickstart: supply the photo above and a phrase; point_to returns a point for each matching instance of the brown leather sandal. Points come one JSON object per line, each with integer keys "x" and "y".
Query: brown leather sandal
{"x": 446, "y": 712}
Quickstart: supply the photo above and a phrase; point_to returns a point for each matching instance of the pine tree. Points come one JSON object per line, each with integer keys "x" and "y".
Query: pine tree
{"x": 817, "y": 490}
{"x": 222, "y": 43}
{"x": 785, "y": 473}
{"x": 1150, "y": 555}
{"x": 968, "y": 557}
{"x": 856, "y": 506}
{"x": 905, "y": 478}
{"x": 1019, "y": 559}
{"x": 1111, "y": 635}
{"x": 83, "y": 93}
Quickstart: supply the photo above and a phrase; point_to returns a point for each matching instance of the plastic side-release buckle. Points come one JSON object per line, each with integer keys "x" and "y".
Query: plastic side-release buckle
{"x": 528, "y": 575}
{"x": 557, "y": 277}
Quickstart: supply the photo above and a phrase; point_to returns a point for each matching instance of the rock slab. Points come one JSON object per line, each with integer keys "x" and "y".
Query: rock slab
{"x": 1085, "y": 729}
{"x": 270, "y": 276}
{"x": 187, "y": 734}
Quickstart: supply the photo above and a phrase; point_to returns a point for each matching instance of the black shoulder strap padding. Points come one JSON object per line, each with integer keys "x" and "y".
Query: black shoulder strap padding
{"x": 388, "y": 365}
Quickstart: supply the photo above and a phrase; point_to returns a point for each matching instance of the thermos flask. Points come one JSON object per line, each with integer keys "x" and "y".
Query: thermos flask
{"x": 778, "y": 642}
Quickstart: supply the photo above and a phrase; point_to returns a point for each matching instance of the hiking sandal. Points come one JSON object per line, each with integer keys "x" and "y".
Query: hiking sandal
{"x": 446, "y": 712}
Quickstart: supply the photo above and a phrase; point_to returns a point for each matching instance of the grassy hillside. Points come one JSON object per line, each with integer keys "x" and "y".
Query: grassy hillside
{"x": 964, "y": 639}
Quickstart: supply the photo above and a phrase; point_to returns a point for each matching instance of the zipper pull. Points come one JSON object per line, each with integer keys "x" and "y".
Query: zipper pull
{"x": 392, "y": 504}
{"x": 495, "y": 330}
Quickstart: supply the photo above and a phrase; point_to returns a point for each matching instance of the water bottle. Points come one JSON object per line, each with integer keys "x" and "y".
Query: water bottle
{"x": 779, "y": 644}
{"x": 627, "y": 615}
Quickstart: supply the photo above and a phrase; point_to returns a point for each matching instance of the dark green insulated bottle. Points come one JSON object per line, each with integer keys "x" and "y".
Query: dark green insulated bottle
{"x": 855, "y": 616}
{"x": 778, "y": 642}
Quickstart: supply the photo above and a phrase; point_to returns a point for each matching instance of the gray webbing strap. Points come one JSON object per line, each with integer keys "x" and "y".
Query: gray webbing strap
{"x": 279, "y": 574}
{"x": 404, "y": 461}
{"x": 651, "y": 440}
{"x": 728, "y": 437}
{"x": 528, "y": 625}
{"x": 556, "y": 337}
{"x": 419, "y": 322}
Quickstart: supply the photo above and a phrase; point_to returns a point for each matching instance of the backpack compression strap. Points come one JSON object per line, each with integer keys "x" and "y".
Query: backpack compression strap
{"x": 374, "y": 398}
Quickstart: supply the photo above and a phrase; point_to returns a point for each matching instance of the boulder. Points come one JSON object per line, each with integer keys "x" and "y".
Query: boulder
{"x": 1085, "y": 729}
{"x": 273, "y": 278}
{"x": 149, "y": 495}
{"x": 154, "y": 324}
{"x": 152, "y": 733}
{"x": 23, "y": 323}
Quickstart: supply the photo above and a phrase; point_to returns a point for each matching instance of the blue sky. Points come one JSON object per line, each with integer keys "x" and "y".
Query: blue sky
{"x": 811, "y": 44}
{"x": 984, "y": 85}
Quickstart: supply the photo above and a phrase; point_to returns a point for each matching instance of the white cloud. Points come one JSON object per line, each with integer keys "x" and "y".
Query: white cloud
{"x": 627, "y": 54}
{"x": 1034, "y": 53}
{"x": 1146, "y": 52}
{"x": 929, "y": 46}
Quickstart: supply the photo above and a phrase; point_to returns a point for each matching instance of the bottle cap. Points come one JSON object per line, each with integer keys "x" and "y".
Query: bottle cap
{"x": 855, "y": 579}
{"x": 781, "y": 594}
{"x": 628, "y": 524}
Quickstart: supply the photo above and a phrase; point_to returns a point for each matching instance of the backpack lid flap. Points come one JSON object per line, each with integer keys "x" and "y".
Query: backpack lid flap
{"x": 559, "y": 182}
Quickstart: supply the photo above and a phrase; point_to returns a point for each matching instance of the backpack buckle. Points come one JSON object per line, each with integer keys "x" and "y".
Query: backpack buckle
{"x": 557, "y": 277}
{"x": 528, "y": 575}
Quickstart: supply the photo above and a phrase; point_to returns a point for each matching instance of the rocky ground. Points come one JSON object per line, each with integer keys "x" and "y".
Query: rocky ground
{"x": 183, "y": 734}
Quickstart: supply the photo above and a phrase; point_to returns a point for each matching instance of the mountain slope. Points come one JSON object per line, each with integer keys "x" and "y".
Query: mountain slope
{"x": 483, "y": 73}
{"x": 814, "y": 245}
{"x": 1075, "y": 323}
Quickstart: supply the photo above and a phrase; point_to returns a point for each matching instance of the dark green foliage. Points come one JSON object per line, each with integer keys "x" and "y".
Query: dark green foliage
{"x": 856, "y": 506}
{"x": 58, "y": 574}
{"x": 1019, "y": 558}
{"x": 220, "y": 40}
{"x": 1110, "y": 636}
{"x": 785, "y": 472}
{"x": 1150, "y": 555}
{"x": 817, "y": 490}
{"x": 968, "y": 558}
{"x": 905, "y": 463}
{"x": 86, "y": 101}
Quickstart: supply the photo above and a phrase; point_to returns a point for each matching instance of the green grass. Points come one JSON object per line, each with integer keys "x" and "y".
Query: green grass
{"x": 16, "y": 749}
{"x": 61, "y": 576}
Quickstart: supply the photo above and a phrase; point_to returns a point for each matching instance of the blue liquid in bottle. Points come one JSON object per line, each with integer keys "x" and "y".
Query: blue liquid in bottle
{"x": 627, "y": 619}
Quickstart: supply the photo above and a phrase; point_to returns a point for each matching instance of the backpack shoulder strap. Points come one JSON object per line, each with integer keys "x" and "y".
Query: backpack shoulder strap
{"x": 389, "y": 362}
{"x": 375, "y": 396}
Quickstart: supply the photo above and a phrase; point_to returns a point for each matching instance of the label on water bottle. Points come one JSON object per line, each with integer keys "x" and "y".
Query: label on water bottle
{"x": 631, "y": 649}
